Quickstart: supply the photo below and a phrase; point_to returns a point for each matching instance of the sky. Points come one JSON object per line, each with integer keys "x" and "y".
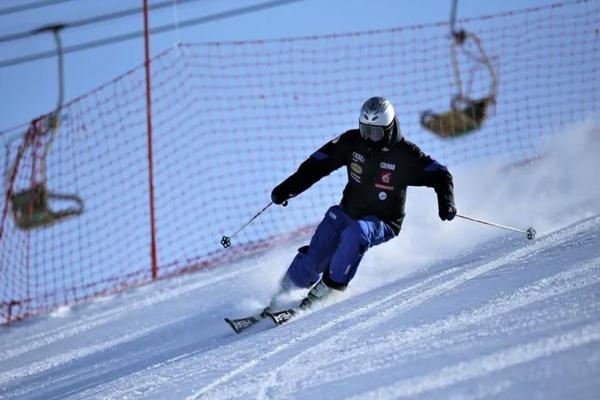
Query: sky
{"x": 30, "y": 89}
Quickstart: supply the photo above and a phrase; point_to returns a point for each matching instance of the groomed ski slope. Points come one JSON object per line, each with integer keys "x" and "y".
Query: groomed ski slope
{"x": 446, "y": 311}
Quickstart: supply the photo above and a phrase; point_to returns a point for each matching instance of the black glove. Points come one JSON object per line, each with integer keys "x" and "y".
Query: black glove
{"x": 447, "y": 211}
{"x": 281, "y": 194}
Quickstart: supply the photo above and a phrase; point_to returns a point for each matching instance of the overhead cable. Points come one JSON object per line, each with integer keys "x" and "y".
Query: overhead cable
{"x": 161, "y": 29}
{"x": 94, "y": 20}
{"x": 30, "y": 6}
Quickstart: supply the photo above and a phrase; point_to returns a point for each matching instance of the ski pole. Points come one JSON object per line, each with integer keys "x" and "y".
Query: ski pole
{"x": 530, "y": 232}
{"x": 226, "y": 240}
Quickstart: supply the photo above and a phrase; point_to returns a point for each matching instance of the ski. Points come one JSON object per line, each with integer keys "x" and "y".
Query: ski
{"x": 241, "y": 324}
{"x": 283, "y": 316}
{"x": 278, "y": 317}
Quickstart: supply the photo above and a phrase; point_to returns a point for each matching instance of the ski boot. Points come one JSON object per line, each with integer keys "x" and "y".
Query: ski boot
{"x": 319, "y": 292}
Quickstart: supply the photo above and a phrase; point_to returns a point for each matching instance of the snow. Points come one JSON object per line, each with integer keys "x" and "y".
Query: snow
{"x": 446, "y": 311}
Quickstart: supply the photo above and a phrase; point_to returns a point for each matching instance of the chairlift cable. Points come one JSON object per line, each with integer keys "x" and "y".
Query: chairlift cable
{"x": 54, "y": 119}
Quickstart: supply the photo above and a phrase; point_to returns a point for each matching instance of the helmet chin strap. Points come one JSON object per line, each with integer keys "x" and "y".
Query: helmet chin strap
{"x": 396, "y": 134}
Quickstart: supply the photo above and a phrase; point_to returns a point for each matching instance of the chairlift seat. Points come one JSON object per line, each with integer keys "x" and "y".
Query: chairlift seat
{"x": 465, "y": 116}
{"x": 31, "y": 209}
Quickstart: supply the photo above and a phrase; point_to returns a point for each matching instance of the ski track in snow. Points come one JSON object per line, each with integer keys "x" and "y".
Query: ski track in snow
{"x": 411, "y": 301}
{"x": 280, "y": 363}
{"x": 36, "y": 341}
{"x": 403, "y": 300}
{"x": 53, "y": 362}
{"x": 410, "y": 339}
{"x": 292, "y": 341}
{"x": 486, "y": 364}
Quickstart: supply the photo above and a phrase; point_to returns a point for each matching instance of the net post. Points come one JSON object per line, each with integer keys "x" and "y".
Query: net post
{"x": 150, "y": 150}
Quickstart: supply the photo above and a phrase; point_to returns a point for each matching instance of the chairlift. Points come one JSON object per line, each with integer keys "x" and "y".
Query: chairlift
{"x": 466, "y": 114}
{"x": 31, "y": 207}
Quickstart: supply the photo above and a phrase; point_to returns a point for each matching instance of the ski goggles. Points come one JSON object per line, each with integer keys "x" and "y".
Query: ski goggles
{"x": 375, "y": 133}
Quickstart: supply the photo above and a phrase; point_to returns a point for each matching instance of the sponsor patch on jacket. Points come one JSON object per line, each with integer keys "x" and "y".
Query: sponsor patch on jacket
{"x": 355, "y": 177}
{"x": 382, "y": 195}
{"x": 356, "y": 168}
{"x": 385, "y": 177}
{"x": 388, "y": 166}
{"x": 357, "y": 157}
{"x": 384, "y": 187}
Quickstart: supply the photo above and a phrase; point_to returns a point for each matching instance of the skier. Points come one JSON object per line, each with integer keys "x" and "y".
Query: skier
{"x": 380, "y": 163}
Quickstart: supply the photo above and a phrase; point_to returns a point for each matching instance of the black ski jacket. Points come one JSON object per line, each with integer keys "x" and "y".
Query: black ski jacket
{"x": 377, "y": 179}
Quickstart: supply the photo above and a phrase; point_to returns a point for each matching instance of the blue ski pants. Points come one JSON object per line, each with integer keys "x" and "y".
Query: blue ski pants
{"x": 336, "y": 249}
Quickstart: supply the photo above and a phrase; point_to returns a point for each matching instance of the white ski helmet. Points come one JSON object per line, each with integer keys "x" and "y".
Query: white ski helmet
{"x": 378, "y": 122}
